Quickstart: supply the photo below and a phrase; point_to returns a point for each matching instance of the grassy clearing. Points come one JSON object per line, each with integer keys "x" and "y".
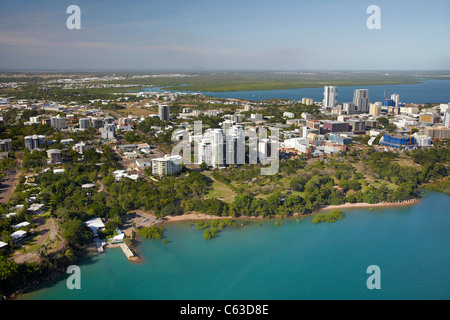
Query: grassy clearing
{"x": 136, "y": 111}
{"x": 222, "y": 191}
{"x": 404, "y": 162}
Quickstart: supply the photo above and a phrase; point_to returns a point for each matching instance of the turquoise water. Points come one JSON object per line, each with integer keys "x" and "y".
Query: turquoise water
{"x": 433, "y": 91}
{"x": 291, "y": 262}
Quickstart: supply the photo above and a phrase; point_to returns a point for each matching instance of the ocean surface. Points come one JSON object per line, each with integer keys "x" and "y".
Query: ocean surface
{"x": 429, "y": 91}
{"x": 292, "y": 261}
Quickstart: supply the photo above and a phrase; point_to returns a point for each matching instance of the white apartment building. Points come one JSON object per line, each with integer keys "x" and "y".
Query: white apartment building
{"x": 235, "y": 145}
{"x": 329, "y": 97}
{"x": 361, "y": 100}
{"x": 396, "y": 98}
{"x": 220, "y": 147}
{"x": 169, "y": 165}
{"x": 212, "y": 148}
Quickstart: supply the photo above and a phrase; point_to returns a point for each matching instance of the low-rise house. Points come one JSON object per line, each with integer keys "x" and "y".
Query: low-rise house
{"x": 36, "y": 208}
{"x": 18, "y": 235}
{"x": 127, "y": 147}
{"x": 88, "y": 186}
{"x": 119, "y": 174}
{"x": 9, "y": 215}
{"x": 131, "y": 155}
{"x": 95, "y": 224}
{"x": 21, "y": 225}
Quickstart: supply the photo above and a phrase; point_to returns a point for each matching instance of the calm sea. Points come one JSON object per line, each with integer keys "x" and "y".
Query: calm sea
{"x": 297, "y": 260}
{"x": 429, "y": 91}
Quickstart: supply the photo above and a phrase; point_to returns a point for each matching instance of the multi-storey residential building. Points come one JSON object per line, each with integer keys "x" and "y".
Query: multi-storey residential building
{"x": 84, "y": 123}
{"x": 97, "y": 123}
{"x": 308, "y": 101}
{"x": 349, "y": 107}
{"x": 429, "y": 118}
{"x": 313, "y": 124}
{"x": 329, "y": 96}
{"x": 5, "y": 145}
{"x": 264, "y": 150}
{"x": 58, "y": 122}
{"x": 166, "y": 166}
{"x": 447, "y": 120}
{"x": 80, "y": 147}
{"x": 396, "y": 98}
{"x": 212, "y": 148}
{"x": 54, "y": 156}
{"x": 361, "y": 100}
{"x": 34, "y": 141}
{"x": 235, "y": 145}
{"x": 164, "y": 112}
{"x": 124, "y": 124}
{"x": 108, "y": 131}
{"x": 374, "y": 109}
{"x": 440, "y": 132}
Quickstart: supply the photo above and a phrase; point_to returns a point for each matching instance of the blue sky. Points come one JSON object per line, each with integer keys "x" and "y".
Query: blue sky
{"x": 216, "y": 35}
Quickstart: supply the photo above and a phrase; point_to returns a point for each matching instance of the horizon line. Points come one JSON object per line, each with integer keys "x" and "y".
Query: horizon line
{"x": 199, "y": 70}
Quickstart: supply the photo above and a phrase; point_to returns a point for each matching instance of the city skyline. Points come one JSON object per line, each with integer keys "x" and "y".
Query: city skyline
{"x": 200, "y": 35}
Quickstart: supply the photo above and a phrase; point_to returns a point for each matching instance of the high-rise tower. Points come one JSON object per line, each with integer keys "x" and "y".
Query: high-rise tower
{"x": 164, "y": 112}
{"x": 329, "y": 96}
{"x": 361, "y": 100}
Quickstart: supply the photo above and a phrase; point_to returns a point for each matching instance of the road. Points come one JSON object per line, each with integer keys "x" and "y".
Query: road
{"x": 7, "y": 189}
{"x": 47, "y": 231}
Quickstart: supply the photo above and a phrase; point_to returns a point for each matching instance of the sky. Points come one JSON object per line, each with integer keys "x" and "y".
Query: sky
{"x": 282, "y": 35}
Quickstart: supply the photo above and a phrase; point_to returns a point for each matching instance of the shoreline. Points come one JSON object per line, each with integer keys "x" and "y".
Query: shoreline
{"x": 369, "y": 205}
{"x": 202, "y": 216}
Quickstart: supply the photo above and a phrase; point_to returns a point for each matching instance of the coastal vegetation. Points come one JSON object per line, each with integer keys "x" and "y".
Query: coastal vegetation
{"x": 331, "y": 216}
{"x": 248, "y": 81}
{"x": 150, "y": 232}
{"x": 209, "y": 233}
{"x": 211, "y": 228}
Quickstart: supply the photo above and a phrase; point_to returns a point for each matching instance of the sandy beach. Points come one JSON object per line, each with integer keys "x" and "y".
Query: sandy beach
{"x": 369, "y": 205}
{"x": 192, "y": 216}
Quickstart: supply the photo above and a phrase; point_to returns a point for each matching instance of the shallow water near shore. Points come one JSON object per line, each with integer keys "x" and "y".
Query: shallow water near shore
{"x": 292, "y": 261}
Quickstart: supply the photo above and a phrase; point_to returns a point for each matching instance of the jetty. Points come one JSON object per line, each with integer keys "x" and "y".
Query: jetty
{"x": 126, "y": 250}
{"x": 128, "y": 253}
{"x": 116, "y": 241}
{"x": 98, "y": 244}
